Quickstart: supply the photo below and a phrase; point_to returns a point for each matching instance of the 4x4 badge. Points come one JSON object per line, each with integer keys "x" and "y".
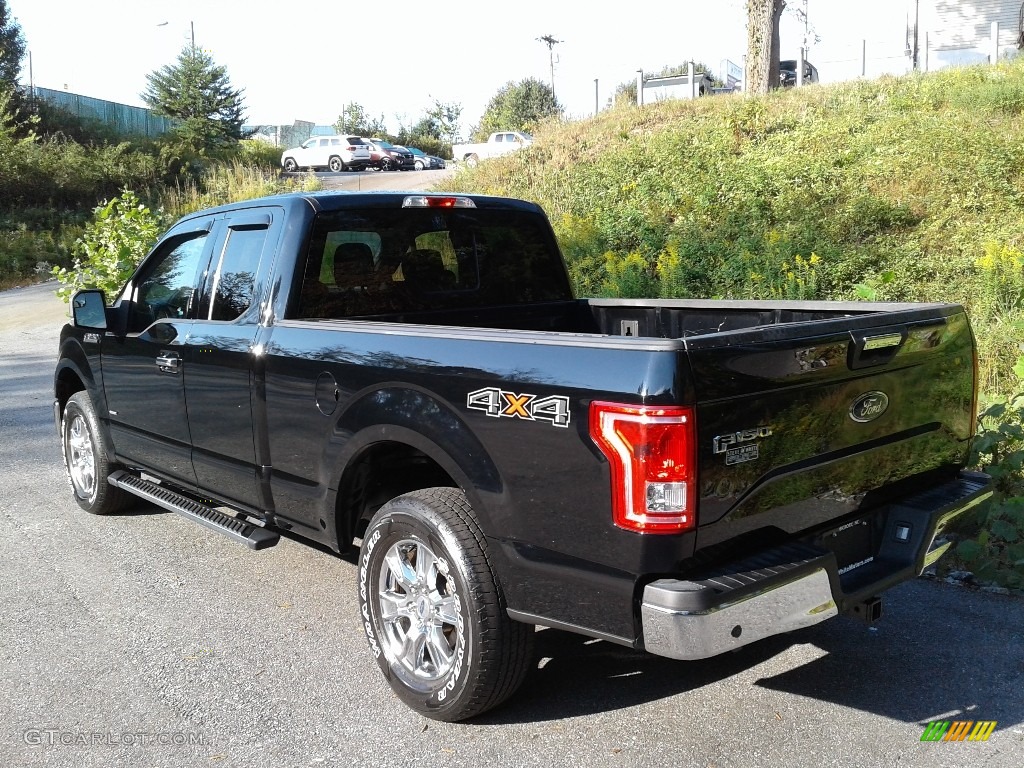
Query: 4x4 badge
{"x": 869, "y": 406}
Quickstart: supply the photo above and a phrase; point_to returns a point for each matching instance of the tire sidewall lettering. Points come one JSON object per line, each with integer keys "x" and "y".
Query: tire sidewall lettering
{"x": 364, "y": 591}
{"x": 460, "y": 622}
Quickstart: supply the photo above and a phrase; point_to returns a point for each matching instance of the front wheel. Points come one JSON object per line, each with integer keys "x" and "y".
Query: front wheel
{"x": 472, "y": 161}
{"x": 290, "y": 166}
{"x": 433, "y": 611}
{"x": 87, "y": 459}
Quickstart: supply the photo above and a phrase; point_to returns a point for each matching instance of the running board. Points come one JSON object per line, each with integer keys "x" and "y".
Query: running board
{"x": 253, "y": 536}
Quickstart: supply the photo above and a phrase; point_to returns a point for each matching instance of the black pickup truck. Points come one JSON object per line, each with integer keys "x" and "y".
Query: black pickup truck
{"x": 413, "y": 374}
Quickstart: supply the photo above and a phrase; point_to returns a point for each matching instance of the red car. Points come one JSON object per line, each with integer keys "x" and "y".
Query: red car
{"x": 387, "y": 157}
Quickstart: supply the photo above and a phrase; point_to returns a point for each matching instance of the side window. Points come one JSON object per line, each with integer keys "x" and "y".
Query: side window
{"x": 499, "y": 138}
{"x": 310, "y": 143}
{"x": 233, "y": 285}
{"x": 324, "y": 142}
{"x": 166, "y": 289}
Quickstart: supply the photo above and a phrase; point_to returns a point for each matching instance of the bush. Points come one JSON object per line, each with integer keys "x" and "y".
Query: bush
{"x": 122, "y": 231}
{"x": 259, "y": 154}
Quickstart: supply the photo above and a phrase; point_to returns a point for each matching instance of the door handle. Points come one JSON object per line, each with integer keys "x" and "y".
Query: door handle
{"x": 168, "y": 362}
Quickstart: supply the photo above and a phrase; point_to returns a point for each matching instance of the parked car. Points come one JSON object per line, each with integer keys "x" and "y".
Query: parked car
{"x": 498, "y": 143}
{"x": 425, "y": 162}
{"x": 388, "y": 157}
{"x": 787, "y": 73}
{"x": 336, "y": 153}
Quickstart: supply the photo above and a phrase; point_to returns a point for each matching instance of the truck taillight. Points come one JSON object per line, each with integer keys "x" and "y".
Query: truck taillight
{"x": 435, "y": 201}
{"x": 652, "y": 454}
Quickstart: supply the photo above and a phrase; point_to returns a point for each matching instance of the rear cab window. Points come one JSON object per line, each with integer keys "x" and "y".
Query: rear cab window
{"x": 373, "y": 262}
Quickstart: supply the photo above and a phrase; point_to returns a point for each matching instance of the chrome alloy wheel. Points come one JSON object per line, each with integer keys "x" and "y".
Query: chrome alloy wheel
{"x": 81, "y": 458}
{"x": 420, "y": 612}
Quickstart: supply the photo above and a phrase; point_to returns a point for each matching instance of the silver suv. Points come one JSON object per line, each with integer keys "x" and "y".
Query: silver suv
{"x": 336, "y": 153}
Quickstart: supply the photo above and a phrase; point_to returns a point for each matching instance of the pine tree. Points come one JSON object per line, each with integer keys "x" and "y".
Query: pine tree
{"x": 197, "y": 93}
{"x": 12, "y": 48}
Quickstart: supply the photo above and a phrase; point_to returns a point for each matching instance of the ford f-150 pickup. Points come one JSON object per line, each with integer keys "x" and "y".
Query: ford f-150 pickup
{"x": 412, "y": 374}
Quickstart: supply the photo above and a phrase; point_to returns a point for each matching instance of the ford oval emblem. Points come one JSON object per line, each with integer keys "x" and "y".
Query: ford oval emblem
{"x": 869, "y": 406}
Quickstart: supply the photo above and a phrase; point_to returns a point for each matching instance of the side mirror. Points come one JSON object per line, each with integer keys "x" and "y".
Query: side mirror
{"x": 88, "y": 310}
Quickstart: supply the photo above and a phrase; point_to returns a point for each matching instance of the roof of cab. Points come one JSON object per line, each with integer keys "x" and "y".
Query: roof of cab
{"x": 334, "y": 200}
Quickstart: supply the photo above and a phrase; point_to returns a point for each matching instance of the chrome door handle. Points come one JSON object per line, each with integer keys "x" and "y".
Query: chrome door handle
{"x": 168, "y": 362}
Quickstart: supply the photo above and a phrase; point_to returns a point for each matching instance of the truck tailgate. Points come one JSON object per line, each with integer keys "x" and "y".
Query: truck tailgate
{"x": 812, "y": 424}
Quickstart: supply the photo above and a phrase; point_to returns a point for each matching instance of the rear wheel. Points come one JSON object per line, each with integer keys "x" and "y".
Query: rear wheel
{"x": 433, "y": 611}
{"x": 88, "y": 460}
{"x": 336, "y": 164}
{"x": 472, "y": 161}
{"x": 290, "y": 165}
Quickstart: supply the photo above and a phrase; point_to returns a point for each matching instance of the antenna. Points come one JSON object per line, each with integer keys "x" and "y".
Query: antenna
{"x": 551, "y": 42}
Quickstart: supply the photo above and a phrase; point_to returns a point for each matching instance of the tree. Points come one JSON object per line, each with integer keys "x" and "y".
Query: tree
{"x": 197, "y": 93}
{"x": 354, "y": 121}
{"x": 12, "y": 48}
{"x": 763, "y": 45}
{"x": 518, "y": 107}
{"x": 446, "y": 119}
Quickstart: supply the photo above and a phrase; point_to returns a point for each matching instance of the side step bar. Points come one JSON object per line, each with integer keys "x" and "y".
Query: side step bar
{"x": 253, "y": 536}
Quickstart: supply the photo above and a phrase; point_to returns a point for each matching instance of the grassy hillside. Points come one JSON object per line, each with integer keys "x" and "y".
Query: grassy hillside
{"x": 900, "y": 188}
{"x": 908, "y": 188}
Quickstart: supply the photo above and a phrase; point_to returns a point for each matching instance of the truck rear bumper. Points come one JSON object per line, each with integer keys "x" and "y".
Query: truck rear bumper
{"x": 801, "y": 584}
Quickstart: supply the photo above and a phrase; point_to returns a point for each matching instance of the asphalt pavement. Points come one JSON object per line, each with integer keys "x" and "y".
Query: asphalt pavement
{"x": 143, "y": 639}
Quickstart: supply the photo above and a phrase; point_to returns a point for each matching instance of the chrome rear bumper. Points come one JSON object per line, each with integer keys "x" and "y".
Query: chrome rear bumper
{"x": 800, "y": 584}
{"x": 687, "y": 634}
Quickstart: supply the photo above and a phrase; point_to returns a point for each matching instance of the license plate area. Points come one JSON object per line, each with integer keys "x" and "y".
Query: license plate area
{"x": 855, "y": 544}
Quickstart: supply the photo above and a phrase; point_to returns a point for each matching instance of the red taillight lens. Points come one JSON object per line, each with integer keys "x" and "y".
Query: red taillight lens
{"x": 652, "y": 455}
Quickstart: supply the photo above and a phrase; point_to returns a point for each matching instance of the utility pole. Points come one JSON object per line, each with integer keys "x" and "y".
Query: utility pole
{"x": 912, "y": 49}
{"x": 192, "y": 26}
{"x": 551, "y": 42}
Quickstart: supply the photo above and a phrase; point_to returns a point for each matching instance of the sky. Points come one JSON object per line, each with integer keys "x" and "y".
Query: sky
{"x": 305, "y": 61}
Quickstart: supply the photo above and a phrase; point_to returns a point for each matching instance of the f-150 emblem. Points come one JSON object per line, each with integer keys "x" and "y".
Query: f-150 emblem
{"x": 723, "y": 443}
{"x": 869, "y": 406}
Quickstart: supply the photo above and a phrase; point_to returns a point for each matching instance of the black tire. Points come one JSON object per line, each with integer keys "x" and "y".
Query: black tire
{"x": 387, "y": 164}
{"x": 290, "y": 166}
{"x": 441, "y": 634}
{"x": 88, "y": 460}
{"x": 336, "y": 164}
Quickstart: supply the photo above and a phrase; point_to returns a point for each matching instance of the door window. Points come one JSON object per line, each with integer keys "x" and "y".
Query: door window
{"x": 233, "y": 282}
{"x": 165, "y": 290}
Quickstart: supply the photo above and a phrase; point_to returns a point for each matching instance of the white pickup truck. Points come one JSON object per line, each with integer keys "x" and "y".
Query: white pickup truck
{"x": 499, "y": 143}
